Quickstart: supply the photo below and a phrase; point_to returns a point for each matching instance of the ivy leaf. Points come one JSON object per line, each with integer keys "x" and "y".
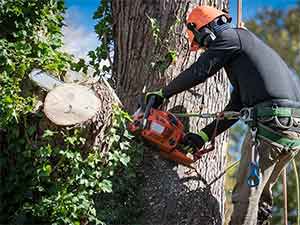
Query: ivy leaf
{"x": 124, "y": 159}
{"x": 31, "y": 130}
{"x": 106, "y": 186}
{"x": 48, "y": 133}
{"x": 47, "y": 169}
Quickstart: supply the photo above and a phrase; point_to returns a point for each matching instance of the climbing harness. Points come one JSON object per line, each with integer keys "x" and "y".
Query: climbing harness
{"x": 275, "y": 137}
{"x": 254, "y": 117}
{"x": 250, "y": 116}
{"x": 270, "y": 118}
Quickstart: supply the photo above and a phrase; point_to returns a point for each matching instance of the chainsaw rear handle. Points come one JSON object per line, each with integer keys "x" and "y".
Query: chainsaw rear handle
{"x": 149, "y": 106}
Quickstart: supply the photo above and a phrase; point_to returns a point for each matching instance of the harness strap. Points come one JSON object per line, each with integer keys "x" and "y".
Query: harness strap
{"x": 273, "y": 136}
{"x": 277, "y": 111}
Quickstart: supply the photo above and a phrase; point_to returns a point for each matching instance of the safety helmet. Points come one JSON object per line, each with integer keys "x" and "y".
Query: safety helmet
{"x": 199, "y": 17}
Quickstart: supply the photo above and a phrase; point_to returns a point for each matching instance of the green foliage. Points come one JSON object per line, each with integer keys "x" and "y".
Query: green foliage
{"x": 123, "y": 206}
{"x": 281, "y": 30}
{"x": 52, "y": 180}
{"x": 29, "y": 37}
{"x": 161, "y": 63}
{"x": 103, "y": 28}
{"x": 46, "y": 177}
{"x": 155, "y": 29}
{"x": 101, "y": 55}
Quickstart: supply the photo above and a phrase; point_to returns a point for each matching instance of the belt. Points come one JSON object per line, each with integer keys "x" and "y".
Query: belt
{"x": 261, "y": 112}
{"x": 270, "y": 112}
{"x": 280, "y": 117}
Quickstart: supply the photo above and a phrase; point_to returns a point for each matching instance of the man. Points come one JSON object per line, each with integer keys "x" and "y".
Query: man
{"x": 263, "y": 84}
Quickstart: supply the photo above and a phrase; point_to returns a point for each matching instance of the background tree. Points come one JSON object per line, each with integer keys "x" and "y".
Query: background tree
{"x": 280, "y": 29}
{"x": 149, "y": 50}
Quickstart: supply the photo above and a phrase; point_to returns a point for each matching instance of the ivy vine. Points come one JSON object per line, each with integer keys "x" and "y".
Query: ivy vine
{"x": 45, "y": 176}
{"x": 103, "y": 52}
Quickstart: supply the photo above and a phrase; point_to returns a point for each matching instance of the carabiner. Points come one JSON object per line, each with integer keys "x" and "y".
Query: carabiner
{"x": 253, "y": 178}
{"x": 246, "y": 115}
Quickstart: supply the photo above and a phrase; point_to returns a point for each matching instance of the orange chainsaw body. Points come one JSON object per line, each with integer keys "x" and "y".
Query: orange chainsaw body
{"x": 163, "y": 130}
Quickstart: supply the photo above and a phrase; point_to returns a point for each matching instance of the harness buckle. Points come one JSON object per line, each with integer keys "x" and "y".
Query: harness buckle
{"x": 247, "y": 114}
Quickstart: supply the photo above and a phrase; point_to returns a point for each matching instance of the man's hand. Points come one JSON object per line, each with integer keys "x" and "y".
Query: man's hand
{"x": 194, "y": 142}
{"x": 158, "y": 98}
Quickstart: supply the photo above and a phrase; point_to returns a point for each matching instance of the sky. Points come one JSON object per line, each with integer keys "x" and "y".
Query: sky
{"x": 251, "y": 7}
{"x": 79, "y": 33}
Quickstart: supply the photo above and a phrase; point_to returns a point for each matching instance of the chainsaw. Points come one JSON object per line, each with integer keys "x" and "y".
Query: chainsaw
{"x": 165, "y": 131}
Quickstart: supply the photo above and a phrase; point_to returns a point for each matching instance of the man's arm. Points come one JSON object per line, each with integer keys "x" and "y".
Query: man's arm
{"x": 222, "y": 50}
{"x": 196, "y": 141}
{"x": 233, "y": 105}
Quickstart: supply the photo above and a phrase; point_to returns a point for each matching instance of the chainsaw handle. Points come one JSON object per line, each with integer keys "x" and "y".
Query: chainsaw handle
{"x": 147, "y": 110}
{"x": 149, "y": 106}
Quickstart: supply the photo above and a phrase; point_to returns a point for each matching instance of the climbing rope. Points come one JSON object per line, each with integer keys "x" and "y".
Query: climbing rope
{"x": 284, "y": 192}
{"x": 232, "y": 165}
{"x": 298, "y": 192}
{"x": 239, "y": 14}
{"x": 285, "y": 196}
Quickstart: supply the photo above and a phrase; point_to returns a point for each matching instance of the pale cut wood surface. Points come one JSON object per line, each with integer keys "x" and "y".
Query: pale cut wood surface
{"x": 71, "y": 104}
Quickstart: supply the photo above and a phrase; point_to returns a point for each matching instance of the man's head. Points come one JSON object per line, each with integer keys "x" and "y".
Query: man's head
{"x": 201, "y": 24}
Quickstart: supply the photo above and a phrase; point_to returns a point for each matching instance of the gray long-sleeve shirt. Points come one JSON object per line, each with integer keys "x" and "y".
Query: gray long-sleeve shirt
{"x": 256, "y": 72}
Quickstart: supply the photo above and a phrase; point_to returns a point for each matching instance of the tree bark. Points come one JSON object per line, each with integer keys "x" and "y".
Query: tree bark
{"x": 172, "y": 194}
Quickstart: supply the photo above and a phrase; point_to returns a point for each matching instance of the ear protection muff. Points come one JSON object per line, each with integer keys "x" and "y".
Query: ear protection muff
{"x": 203, "y": 37}
{"x": 207, "y": 34}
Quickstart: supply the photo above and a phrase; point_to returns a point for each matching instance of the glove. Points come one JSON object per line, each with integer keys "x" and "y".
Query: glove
{"x": 158, "y": 98}
{"x": 194, "y": 142}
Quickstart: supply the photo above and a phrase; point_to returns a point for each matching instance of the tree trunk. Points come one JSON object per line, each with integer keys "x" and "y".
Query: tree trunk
{"x": 93, "y": 130}
{"x": 172, "y": 194}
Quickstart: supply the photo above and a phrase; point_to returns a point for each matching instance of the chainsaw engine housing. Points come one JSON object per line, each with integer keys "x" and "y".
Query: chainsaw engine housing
{"x": 163, "y": 130}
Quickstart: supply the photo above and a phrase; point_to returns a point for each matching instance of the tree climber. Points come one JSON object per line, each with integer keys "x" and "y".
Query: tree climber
{"x": 264, "y": 86}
